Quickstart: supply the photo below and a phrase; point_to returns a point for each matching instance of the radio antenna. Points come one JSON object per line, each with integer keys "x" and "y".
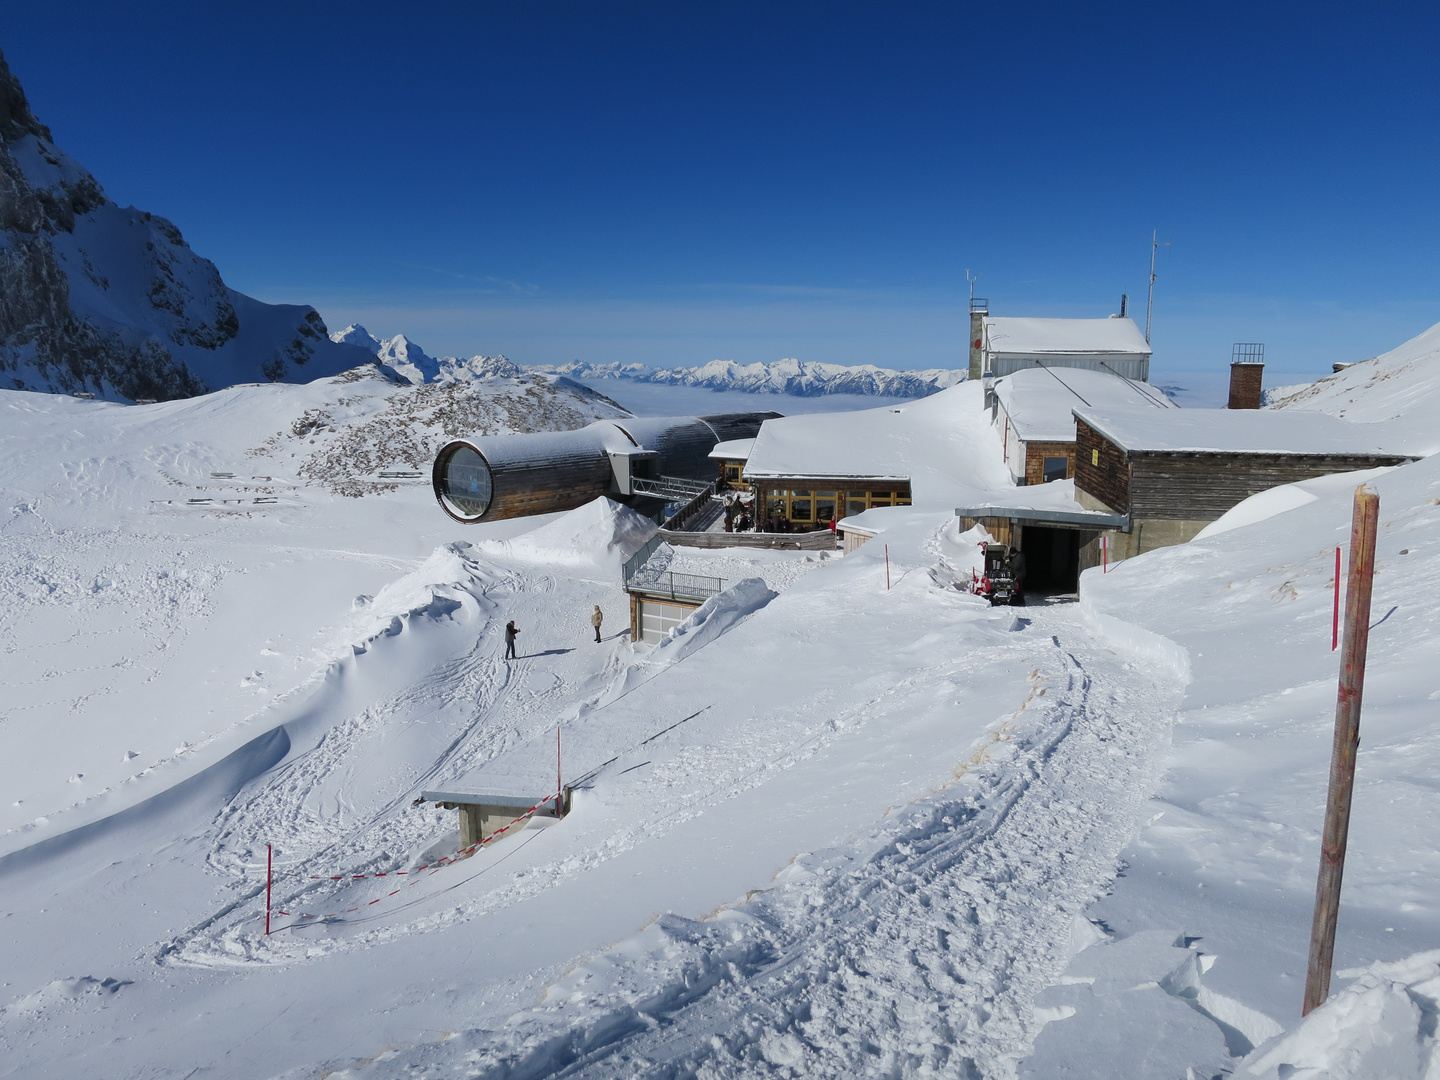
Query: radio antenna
{"x": 1155, "y": 245}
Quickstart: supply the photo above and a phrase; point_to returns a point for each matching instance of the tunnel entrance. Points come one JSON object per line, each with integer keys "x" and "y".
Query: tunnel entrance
{"x": 1052, "y": 559}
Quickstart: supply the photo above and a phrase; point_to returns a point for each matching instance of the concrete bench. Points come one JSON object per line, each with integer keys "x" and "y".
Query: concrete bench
{"x": 481, "y": 815}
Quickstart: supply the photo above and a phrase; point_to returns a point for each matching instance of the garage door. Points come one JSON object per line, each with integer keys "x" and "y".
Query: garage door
{"x": 657, "y": 618}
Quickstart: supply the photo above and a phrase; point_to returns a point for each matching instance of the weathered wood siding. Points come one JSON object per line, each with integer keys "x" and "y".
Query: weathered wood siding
{"x": 1037, "y": 452}
{"x": 1101, "y": 468}
{"x": 1200, "y": 486}
{"x": 820, "y": 540}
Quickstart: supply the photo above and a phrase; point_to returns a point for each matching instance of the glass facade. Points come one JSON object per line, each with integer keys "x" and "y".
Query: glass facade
{"x": 465, "y": 483}
{"x": 817, "y": 509}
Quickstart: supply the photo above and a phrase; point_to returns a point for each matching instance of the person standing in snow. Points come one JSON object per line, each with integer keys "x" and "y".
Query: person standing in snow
{"x": 510, "y": 632}
{"x": 1017, "y": 570}
{"x": 595, "y": 621}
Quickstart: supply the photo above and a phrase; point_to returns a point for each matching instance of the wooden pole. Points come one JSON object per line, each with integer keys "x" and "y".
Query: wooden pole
{"x": 269, "y": 868}
{"x": 1347, "y": 742}
{"x": 887, "y": 567}
{"x": 1335, "y": 618}
{"x": 559, "y": 777}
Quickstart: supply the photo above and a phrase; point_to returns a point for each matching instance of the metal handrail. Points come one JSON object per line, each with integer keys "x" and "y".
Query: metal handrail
{"x": 669, "y": 487}
{"x": 683, "y": 586}
{"x": 641, "y": 557}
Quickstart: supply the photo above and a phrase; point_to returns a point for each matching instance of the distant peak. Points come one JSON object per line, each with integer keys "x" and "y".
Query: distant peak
{"x": 356, "y": 335}
{"x": 16, "y": 119}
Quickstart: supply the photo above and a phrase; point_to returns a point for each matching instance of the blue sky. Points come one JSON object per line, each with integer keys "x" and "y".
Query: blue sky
{"x": 679, "y": 182}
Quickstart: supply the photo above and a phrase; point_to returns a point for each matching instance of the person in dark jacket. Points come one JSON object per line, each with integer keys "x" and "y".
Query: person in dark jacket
{"x": 510, "y": 632}
{"x": 1017, "y": 570}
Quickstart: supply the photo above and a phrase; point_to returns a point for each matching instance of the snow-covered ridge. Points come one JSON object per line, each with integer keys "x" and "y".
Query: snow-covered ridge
{"x": 799, "y": 378}
{"x": 410, "y": 363}
{"x": 1401, "y": 386}
{"x": 111, "y": 301}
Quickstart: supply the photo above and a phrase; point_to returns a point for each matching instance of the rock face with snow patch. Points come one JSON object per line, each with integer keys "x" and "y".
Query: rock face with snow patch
{"x": 110, "y": 300}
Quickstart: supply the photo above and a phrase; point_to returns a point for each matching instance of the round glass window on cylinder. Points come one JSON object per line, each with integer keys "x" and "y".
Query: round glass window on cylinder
{"x": 465, "y": 483}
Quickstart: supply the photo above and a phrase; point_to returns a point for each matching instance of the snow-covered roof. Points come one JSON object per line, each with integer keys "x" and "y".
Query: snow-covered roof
{"x": 733, "y": 449}
{"x": 1040, "y": 402}
{"x": 1242, "y": 431}
{"x": 943, "y": 444}
{"x": 1037, "y": 337}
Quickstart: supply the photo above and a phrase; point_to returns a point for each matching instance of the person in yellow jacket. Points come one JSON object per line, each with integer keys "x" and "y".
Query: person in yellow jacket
{"x": 596, "y": 620}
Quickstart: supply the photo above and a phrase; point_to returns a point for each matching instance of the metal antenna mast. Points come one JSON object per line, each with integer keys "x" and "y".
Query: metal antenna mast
{"x": 1155, "y": 246}
{"x": 972, "y": 278}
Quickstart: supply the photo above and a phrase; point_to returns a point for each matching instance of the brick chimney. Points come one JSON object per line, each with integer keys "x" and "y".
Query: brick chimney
{"x": 1247, "y": 369}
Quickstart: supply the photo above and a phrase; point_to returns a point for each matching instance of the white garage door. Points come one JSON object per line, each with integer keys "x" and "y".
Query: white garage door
{"x": 656, "y": 618}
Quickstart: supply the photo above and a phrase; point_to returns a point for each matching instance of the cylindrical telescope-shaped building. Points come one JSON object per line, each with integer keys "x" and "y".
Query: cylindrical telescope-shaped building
{"x": 494, "y": 477}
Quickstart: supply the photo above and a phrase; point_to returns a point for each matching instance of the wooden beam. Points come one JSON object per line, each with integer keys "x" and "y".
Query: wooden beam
{"x": 1347, "y": 743}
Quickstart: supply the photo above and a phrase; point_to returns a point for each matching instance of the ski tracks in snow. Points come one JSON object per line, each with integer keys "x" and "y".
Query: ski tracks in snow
{"x": 915, "y": 951}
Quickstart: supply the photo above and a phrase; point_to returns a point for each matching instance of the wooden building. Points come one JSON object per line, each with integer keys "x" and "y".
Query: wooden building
{"x": 1169, "y": 474}
{"x": 808, "y": 472}
{"x": 1033, "y": 412}
{"x": 730, "y": 458}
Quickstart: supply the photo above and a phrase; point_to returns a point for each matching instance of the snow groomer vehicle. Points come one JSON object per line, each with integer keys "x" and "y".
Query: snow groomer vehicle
{"x": 997, "y": 582}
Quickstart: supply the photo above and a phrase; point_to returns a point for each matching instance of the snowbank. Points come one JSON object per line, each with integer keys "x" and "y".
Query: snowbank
{"x": 1380, "y": 1026}
{"x": 601, "y": 534}
{"x": 713, "y": 618}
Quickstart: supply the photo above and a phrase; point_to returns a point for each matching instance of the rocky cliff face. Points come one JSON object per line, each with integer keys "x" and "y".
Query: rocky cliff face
{"x": 109, "y": 300}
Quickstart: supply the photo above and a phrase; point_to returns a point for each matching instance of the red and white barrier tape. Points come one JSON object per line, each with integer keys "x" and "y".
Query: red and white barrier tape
{"x": 438, "y": 864}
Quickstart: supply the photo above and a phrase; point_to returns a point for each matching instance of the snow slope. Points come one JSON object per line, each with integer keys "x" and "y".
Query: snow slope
{"x": 1218, "y": 887}
{"x": 827, "y": 828}
{"x": 1401, "y": 386}
{"x": 110, "y": 300}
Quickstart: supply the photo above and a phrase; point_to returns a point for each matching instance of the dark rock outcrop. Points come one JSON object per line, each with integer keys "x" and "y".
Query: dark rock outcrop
{"x": 112, "y": 301}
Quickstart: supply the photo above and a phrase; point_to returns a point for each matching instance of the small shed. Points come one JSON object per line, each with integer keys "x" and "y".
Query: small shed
{"x": 730, "y": 458}
{"x": 1172, "y": 473}
{"x": 1114, "y": 345}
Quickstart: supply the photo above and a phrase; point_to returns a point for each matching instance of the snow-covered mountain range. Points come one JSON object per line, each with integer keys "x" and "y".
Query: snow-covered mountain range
{"x": 407, "y": 361}
{"x": 799, "y": 378}
{"x": 110, "y": 300}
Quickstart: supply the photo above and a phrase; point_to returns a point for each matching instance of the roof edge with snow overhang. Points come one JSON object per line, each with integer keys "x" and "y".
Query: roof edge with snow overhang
{"x": 1243, "y": 431}
{"x": 1013, "y": 336}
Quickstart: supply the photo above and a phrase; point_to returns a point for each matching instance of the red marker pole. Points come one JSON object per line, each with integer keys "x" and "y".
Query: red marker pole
{"x": 269, "y": 866}
{"x": 1335, "y": 620}
{"x": 887, "y": 567}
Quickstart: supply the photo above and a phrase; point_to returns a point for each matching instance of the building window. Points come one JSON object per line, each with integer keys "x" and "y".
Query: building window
{"x": 807, "y": 507}
{"x": 1056, "y": 468}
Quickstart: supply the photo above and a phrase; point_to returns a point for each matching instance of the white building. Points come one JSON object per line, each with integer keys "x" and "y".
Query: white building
{"x": 1114, "y": 345}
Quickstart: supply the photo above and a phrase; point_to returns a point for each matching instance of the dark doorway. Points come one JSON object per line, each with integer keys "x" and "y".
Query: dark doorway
{"x": 1052, "y": 559}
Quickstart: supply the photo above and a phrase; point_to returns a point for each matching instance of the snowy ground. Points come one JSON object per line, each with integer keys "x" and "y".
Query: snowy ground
{"x": 827, "y": 829}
